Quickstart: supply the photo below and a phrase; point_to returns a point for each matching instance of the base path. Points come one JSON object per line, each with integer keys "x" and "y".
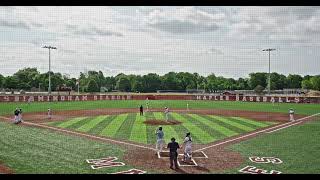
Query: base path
{"x": 67, "y": 114}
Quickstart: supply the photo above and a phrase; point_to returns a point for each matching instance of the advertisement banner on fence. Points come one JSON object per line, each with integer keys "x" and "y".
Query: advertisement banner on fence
{"x": 62, "y": 98}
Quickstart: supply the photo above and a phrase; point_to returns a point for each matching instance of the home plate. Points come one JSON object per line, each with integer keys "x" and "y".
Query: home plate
{"x": 166, "y": 154}
{"x": 191, "y": 163}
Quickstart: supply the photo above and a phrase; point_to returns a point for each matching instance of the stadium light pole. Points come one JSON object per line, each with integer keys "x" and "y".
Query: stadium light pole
{"x": 269, "y": 78}
{"x": 49, "y": 47}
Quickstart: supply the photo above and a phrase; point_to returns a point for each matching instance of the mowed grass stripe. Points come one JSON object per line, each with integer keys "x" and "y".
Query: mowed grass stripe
{"x": 252, "y": 122}
{"x": 232, "y": 123}
{"x": 139, "y": 130}
{"x": 79, "y": 123}
{"x": 91, "y": 123}
{"x": 213, "y": 133}
{"x": 54, "y": 123}
{"x": 151, "y": 137}
{"x": 70, "y": 122}
{"x": 216, "y": 127}
{"x": 197, "y": 132}
{"x": 181, "y": 132}
{"x": 125, "y": 129}
{"x": 97, "y": 129}
{"x": 114, "y": 125}
{"x": 159, "y": 115}
{"x": 223, "y": 124}
{"x": 169, "y": 132}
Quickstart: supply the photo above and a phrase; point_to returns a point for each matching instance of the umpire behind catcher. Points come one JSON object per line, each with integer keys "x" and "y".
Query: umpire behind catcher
{"x": 173, "y": 146}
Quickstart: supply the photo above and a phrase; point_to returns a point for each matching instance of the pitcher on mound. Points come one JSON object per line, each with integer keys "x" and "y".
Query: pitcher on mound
{"x": 166, "y": 112}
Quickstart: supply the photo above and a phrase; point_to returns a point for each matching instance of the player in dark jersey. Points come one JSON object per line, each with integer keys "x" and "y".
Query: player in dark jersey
{"x": 173, "y": 146}
{"x": 141, "y": 110}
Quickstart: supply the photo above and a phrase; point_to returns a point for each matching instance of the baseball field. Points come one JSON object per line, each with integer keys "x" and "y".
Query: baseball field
{"x": 112, "y": 137}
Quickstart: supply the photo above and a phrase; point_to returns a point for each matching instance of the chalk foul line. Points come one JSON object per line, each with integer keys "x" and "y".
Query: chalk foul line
{"x": 271, "y": 129}
{"x": 82, "y": 134}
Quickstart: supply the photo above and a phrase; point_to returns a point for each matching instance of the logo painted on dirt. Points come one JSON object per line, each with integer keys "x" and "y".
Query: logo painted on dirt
{"x": 265, "y": 160}
{"x": 104, "y": 162}
{"x": 131, "y": 171}
{"x": 255, "y": 170}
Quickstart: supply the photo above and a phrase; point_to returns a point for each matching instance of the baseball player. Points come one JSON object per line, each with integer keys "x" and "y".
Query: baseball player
{"x": 16, "y": 116}
{"x": 160, "y": 139}
{"x": 20, "y": 116}
{"x": 49, "y": 113}
{"x": 173, "y": 146}
{"x": 291, "y": 113}
{"x": 187, "y": 106}
{"x": 141, "y": 110}
{"x": 166, "y": 112}
{"x": 187, "y": 148}
{"x": 147, "y": 104}
{"x": 29, "y": 101}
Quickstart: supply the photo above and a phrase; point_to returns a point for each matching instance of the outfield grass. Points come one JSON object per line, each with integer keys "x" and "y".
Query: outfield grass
{"x": 297, "y": 146}
{"x": 32, "y": 150}
{"x": 306, "y": 109}
{"x": 129, "y": 126}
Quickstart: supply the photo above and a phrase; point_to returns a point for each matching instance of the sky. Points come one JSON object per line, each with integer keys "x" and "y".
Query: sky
{"x": 227, "y": 41}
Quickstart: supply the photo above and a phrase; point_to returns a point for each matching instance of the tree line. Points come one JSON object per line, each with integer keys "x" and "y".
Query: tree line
{"x": 95, "y": 81}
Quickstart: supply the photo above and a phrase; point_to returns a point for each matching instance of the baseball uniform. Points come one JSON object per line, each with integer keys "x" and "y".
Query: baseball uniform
{"x": 291, "y": 113}
{"x": 160, "y": 140}
{"x": 187, "y": 148}
{"x": 167, "y": 113}
{"x": 173, "y": 146}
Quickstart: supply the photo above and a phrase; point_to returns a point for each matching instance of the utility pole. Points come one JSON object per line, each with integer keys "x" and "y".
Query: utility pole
{"x": 49, "y": 47}
{"x": 269, "y": 78}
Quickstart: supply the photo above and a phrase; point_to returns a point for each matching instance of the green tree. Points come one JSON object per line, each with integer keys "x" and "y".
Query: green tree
{"x": 27, "y": 78}
{"x": 278, "y": 81}
{"x": 110, "y": 83}
{"x": 258, "y": 79}
{"x": 294, "y": 81}
{"x": 211, "y": 83}
{"x": 151, "y": 82}
{"x": 306, "y": 84}
{"x": 93, "y": 86}
{"x": 242, "y": 84}
{"x": 1, "y": 81}
{"x": 169, "y": 81}
{"x": 138, "y": 84}
{"x": 123, "y": 84}
{"x": 315, "y": 81}
{"x": 11, "y": 82}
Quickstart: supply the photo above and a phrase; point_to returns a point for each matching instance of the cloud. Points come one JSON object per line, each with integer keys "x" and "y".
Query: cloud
{"x": 185, "y": 20}
{"x": 214, "y": 51}
{"x": 93, "y": 31}
{"x": 292, "y": 25}
{"x": 13, "y": 24}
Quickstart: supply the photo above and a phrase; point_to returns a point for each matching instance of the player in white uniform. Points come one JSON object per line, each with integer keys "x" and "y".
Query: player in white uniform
{"x": 187, "y": 148}
{"x": 147, "y": 104}
{"x": 166, "y": 112}
{"x": 291, "y": 113}
{"x": 49, "y": 113}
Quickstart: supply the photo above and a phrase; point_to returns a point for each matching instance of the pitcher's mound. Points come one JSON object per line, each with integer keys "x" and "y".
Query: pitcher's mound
{"x": 162, "y": 122}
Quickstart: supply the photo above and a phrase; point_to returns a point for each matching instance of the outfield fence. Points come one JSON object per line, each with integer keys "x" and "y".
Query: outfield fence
{"x": 243, "y": 98}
